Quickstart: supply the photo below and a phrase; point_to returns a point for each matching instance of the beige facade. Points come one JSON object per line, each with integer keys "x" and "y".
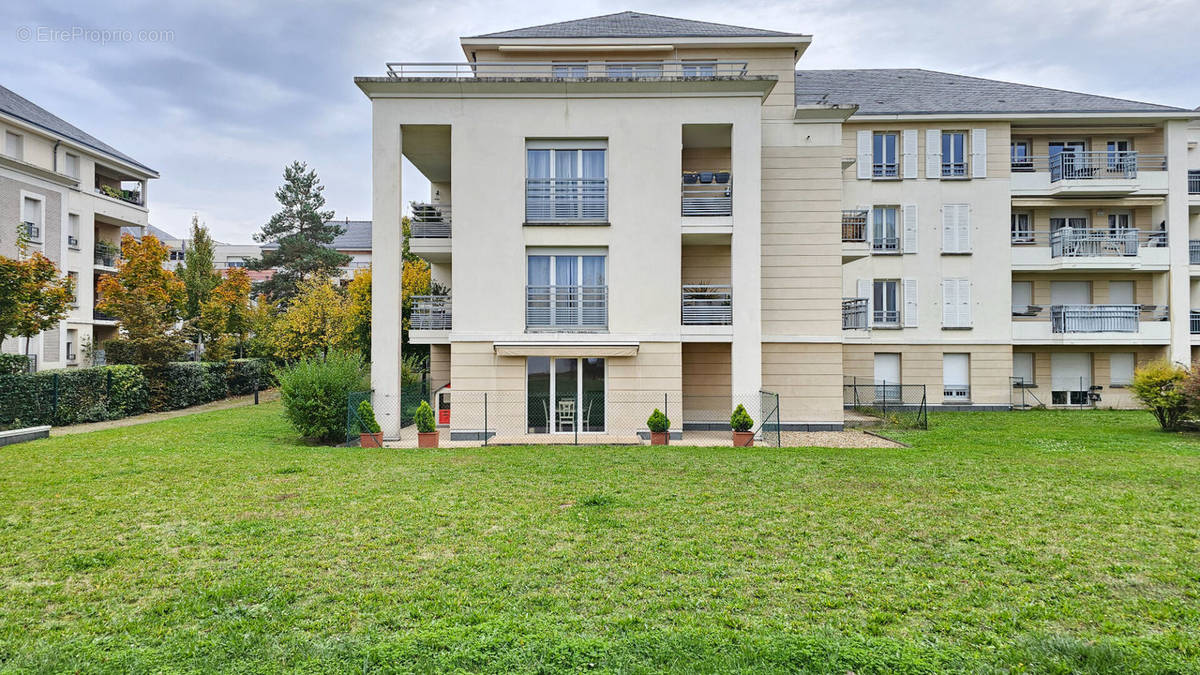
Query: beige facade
{"x": 73, "y": 197}
{"x": 726, "y": 177}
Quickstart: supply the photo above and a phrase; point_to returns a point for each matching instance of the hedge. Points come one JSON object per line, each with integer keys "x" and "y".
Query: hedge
{"x": 78, "y": 395}
{"x": 13, "y": 364}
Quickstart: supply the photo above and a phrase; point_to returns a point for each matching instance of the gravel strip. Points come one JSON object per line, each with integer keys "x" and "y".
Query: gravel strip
{"x": 834, "y": 439}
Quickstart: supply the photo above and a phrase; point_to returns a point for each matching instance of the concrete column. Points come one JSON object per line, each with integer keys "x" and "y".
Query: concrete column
{"x": 746, "y": 259}
{"x": 1178, "y": 284}
{"x": 386, "y": 245}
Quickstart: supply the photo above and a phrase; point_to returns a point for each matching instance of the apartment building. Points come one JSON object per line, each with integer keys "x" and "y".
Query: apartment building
{"x": 651, "y": 206}
{"x": 71, "y": 194}
{"x": 354, "y": 241}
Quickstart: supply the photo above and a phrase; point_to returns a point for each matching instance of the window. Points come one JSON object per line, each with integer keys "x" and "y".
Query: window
{"x": 1022, "y": 298}
{"x": 1075, "y": 222}
{"x": 699, "y": 68}
{"x": 1120, "y": 292}
{"x": 569, "y": 69}
{"x": 954, "y": 154}
{"x": 634, "y": 69}
{"x": 1023, "y": 369}
{"x": 71, "y": 165}
{"x": 31, "y": 216}
{"x": 1021, "y": 158}
{"x": 886, "y": 303}
{"x": 565, "y": 395}
{"x": 887, "y": 377}
{"x": 567, "y": 292}
{"x": 73, "y": 231}
{"x": 566, "y": 183}
{"x": 1022, "y": 228}
{"x": 956, "y": 303}
{"x": 1121, "y": 365}
{"x": 72, "y": 340}
{"x": 956, "y": 228}
{"x": 883, "y": 151}
{"x": 1119, "y": 224}
{"x": 234, "y": 262}
{"x": 176, "y": 254}
{"x": 74, "y": 277}
{"x": 1070, "y": 378}
{"x": 1121, "y": 159}
{"x": 956, "y": 377}
{"x": 14, "y": 145}
{"x": 884, "y": 236}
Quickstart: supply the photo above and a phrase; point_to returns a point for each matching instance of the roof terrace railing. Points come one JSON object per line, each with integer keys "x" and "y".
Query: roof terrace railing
{"x": 580, "y": 70}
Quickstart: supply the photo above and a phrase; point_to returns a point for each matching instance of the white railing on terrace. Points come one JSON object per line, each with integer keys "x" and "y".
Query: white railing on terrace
{"x": 707, "y": 305}
{"x": 550, "y": 200}
{"x": 1075, "y": 242}
{"x": 1094, "y": 318}
{"x": 707, "y": 193}
{"x": 431, "y": 312}
{"x": 1194, "y": 251}
{"x": 580, "y": 70}
{"x": 569, "y": 307}
{"x": 854, "y": 314}
{"x": 1091, "y": 164}
{"x": 430, "y": 221}
{"x": 1194, "y": 182}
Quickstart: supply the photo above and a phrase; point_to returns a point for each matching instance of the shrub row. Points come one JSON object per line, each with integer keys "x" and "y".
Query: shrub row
{"x": 102, "y": 393}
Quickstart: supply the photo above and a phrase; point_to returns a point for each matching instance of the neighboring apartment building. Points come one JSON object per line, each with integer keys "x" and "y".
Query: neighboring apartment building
{"x": 654, "y": 206}
{"x": 72, "y": 194}
{"x": 354, "y": 241}
{"x": 225, "y": 256}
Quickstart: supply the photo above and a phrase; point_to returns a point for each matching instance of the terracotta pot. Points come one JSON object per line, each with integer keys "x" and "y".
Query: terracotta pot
{"x": 370, "y": 440}
{"x": 427, "y": 439}
{"x": 660, "y": 438}
{"x": 743, "y": 439}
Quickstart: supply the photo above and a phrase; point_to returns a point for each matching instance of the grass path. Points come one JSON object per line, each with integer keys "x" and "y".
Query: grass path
{"x": 1050, "y": 542}
{"x": 224, "y": 404}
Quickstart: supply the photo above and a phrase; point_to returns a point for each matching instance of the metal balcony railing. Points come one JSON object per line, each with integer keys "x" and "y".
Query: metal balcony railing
{"x": 854, "y": 314}
{"x": 885, "y": 169}
{"x": 430, "y": 221}
{"x": 707, "y": 305}
{"x": 854, "y": 225}
{"x": 550, "y": 200}
{"x": 707, "y": 193}
{"x": 571, "y": 307}
{"x": 72, "y": 242}
{"x": 885, "y": 244}
{"x": 885, "y": 317}
{"x": 1074, "y": 242}
{"x": 105, "y": 259}
{"x": 1194, "y": 182}
{"x": 956, "y": 392}
{"x": 431, "y": 312}
{"x": 32, "y": 231}
{"x": 1194, "y": 252}
{"x": 97, "y": 315}
{"x": 1094, "y": 318}
{"x": 580, "y": 70}
{"x": 121, "y": 193}
{"x": 1195, "y": 322}
{"x": 1092, "y": 164}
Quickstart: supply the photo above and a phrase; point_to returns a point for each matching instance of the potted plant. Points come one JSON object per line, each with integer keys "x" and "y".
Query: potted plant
{"x": 427, "y": 434}
{"x": 659, "y": 428}
{"x": 369, "y": 433}
{"x": 742, "y": 424}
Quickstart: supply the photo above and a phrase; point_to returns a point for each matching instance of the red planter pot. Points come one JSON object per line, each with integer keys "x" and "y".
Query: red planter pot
{"x": 370, "y": 440}
{"x": 660, "y": 438}
{"x": 427, "y": 439}
{"x": 743, "y": 439}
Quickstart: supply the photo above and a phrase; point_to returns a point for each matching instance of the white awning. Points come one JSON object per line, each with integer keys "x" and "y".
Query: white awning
{"x": 565, "y": 349}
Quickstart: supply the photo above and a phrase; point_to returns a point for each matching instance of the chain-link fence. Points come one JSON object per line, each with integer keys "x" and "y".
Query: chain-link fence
{"x": 354, "y": 425}
{"x": 769, "y": 431}
{"x": 895, "y": 404}
{"x": 1022, "y": 395}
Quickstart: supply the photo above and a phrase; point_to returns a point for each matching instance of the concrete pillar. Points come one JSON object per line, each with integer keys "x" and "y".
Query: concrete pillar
{"x": 386, "y": 245}
{"x": 746, "y": 261}
{"x": 1179, "y": 291}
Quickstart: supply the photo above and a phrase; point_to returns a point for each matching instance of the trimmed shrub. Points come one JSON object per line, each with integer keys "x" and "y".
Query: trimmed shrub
{"x": 366, "y": 418}
{"x": 658, "y": 422}
{"x": 188, "y": 383}
{"x": 314, "y": 394}
{"x": 424, "y": 418}
{"x": 740, "y": 420}
{"x": 245, "y": 375}
{"x": 13, "y": 364}
{"x": 72, "y": 396}
{"x": 1160, "y": 387}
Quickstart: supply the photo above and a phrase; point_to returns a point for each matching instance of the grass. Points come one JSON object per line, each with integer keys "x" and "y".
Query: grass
{"x": 1047, "y": 542}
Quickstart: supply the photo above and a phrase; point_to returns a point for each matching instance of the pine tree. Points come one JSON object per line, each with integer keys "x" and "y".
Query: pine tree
{"x": 304, "y": 233}
{"x": 197, "y": 273}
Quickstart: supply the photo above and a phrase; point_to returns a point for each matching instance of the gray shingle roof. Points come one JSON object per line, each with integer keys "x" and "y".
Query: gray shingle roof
{"x": 22, "y": 108}
{"x": 634, "y": 25}
{"x": 917, "y": 91}
{"x": 357, "y": 236}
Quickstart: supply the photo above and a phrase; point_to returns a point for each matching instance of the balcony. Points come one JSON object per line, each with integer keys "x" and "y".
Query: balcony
{"x": 1095, "y": 318}
{"x": 122, "y": 198}
{"x": 1194, "y": 252}
{"x": 567, "y": 71}
{"x": 431, "y": 312}
{"x": 106, "y": 259}
{"x": 707, "y": 305}
{"x": 430, "y": 221}
{"x": 566, "y": 200}
{"x": 854, "y": 314}
{"x": 1091, "y": 324}
{"x": 854, "y": 235}
{"x": 1095, "y": 172}
{"x": 101, "y": 317}
{"x": 707, "y": 193}
{"x": 1194, "y": 182}
{"x": 1194, "y": 328}
{"x": 566, "y": 308}
{"x": 1075, "y": 248}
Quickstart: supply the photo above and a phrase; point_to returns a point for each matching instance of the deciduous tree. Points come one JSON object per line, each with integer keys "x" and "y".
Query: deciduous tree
{"x": 358, "y": 296}
{"x": 145, "y": 298}
{"x": 33, "y": 296}
{"x": 197, "y": 273}
{"x": 316, "y": 322}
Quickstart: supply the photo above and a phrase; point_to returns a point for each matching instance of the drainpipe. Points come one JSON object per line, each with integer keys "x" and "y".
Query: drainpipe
{"x": 55, "y": 153}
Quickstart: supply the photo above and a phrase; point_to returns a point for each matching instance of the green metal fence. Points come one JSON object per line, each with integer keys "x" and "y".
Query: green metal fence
{"x": 353, "y": 424}
{"x": 770, "y": 431}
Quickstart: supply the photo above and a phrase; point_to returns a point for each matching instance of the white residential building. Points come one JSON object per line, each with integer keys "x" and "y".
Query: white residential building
{"x": 649, "y": 207}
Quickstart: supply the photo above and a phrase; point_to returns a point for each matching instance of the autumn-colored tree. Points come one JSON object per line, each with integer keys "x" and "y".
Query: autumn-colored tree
{"x": 145, "y": 298}
{"x": 262, "y": 319}
{"x": 225, "y": 316}
{"x": 316, "y": 322}
{"x": 358, "y": 296}
{"x": 33, "y": 297}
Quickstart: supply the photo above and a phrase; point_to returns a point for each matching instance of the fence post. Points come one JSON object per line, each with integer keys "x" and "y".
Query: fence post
{"x": 575, "y": 424}
{"x": 778, "y": 423}
{"x": 485, "y": 420}
{"x": 256, "y": 386}
{"x": 54, "y": 402}
{"x": 667, "y": 414}
{"x": 108, "y": 385}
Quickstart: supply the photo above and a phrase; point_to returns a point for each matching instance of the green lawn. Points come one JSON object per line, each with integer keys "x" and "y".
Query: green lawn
{"x": 1014, "y": 542}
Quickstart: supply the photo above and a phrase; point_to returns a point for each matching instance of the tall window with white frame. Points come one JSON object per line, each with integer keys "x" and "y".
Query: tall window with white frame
{"x": 885, "y": 237}
{"x": 886, "y": 303}
{"x": 1022, "y": 228}
{"x": 954, "y": 154}
{"x": 566, "y": 291}
{"x": 31, "y": 218}
{"x": 1020, "y": 157}
{"x": 885, "y": 162}
{"x": 566, "y": 181}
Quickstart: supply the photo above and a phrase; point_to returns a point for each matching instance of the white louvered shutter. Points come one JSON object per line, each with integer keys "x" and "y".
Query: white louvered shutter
{"x": 963, "y": 228}
{"x": 964, "y": 303}
{"x": 949, "y": 303}
{"x": 870, "y": 227}
{"x": 979, "y": 153}
{"x": 949, "y": 234}
{"x": 864, "y": 154}
{"x": 933, "y": 153}
{"x": 910, "y": 153}
{"x": 910, "y": 303}
{"x": 864, "y": 291}
{"x": 909, "y": 234}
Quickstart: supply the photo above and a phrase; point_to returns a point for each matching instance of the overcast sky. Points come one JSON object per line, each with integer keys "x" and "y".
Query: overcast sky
{"x": 221, "y": 94}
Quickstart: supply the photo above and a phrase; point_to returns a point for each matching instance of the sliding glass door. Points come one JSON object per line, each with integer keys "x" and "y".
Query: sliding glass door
{"x": 565, "y": 395}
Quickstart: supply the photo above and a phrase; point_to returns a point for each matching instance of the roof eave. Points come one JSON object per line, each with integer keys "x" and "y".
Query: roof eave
{"x": 132, "y": 167}
{"x": 1062, "y": 116}
{"x": 797, "y": 41}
